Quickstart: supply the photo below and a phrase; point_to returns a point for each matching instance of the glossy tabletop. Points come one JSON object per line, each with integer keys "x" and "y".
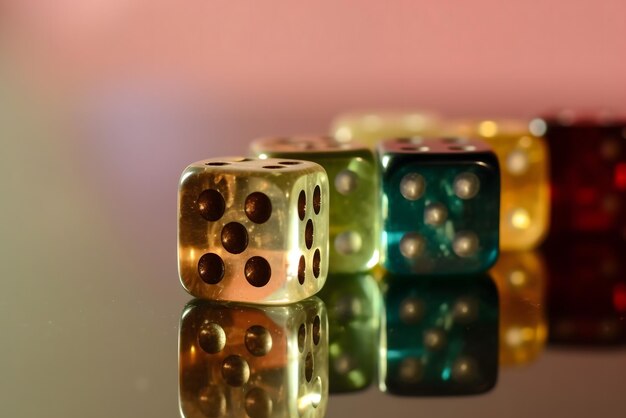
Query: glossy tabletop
{"x": 91, "y": 302}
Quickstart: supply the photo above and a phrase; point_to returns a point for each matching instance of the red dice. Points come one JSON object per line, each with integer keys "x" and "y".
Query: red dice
{"x": 588, "y": 172}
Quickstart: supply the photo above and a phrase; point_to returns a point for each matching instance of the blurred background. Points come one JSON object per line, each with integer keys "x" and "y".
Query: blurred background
{"x": 104, "y": 102}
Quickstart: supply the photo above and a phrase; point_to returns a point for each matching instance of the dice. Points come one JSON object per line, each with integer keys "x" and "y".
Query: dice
{"x": 523, "y": 156}
{"x": 440, "y": 336}
{"x": 370, "y": 127}
{"x": 588, "y": 173}
{"x": 354, "y": 309}
{"x": 240, "y": 360}
{"x": 440, "y": 206}
{"x": 253, "y": 230}
{"x": 521, "y": 281}
{"x": 586, "y": 295}
{"x": 354, "y": 216}
{"x": 521, "y": 150}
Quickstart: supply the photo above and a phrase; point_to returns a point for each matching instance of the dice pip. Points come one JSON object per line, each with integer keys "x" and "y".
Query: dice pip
{"x": 253, "y": 230}
{"x": 440, "y": 336}
{"x": 440, "y": 206}
{"x": 523, "y": 156}
{"x": 588, "y": 173}
{"x": 354, "y": 307}
{"x": 245, "y": 361}
{"x": 354, "y": 217}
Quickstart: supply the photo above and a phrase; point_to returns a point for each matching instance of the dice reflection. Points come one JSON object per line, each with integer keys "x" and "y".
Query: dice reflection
{"x": 521, "y": 281}
{"x": 440, "y": 336}
{"x": 520, "y": 148}
{"x": 354, "y": 307}
{"x": 239, "y": 360}
{"x": 586, "y": 291}
{"x": 253, "y": 231}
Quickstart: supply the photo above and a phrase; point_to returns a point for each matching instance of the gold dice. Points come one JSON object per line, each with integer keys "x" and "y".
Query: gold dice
{"x": 252, "y": 230}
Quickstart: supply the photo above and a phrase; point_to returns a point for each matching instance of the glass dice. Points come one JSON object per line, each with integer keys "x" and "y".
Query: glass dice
{"x": 588, "y": 173}
{"x": 354, "y": 217}
{"x": 440, "y": 206}
{"x": 524, "y": 161}
{"x": 253, "y": 230}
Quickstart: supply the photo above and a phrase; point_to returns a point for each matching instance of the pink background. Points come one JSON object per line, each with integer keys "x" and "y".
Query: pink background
{"x": 313, "y": 59}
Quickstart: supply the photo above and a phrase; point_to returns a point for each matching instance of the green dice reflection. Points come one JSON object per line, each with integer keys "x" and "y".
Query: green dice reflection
{"x": 354, "y": 216}
{"x": 354, "y": 306}
{"x": 440, "y": 206}
{"x": 440, "y": 336}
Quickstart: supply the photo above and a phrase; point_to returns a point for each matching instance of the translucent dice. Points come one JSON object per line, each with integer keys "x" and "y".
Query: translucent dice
{"x": 524, "y": 158}
{"x": 354, "y": 216}
{"x": 440, "y": 206}
{"x": 253, "y": 230}
{"x": 521, "y": 280}
{"x": 518, "y": 144}
{"x": 370, "y": 127}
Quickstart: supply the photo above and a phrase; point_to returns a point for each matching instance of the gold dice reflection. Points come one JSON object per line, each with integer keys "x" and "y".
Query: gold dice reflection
{"x": 521, "y": 281}
{"x": 253, "y": 231}
{"x": 239, "y": 360}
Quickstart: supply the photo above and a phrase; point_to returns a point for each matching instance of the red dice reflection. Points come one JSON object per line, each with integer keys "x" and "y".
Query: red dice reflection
{"x": 586, "y": 290}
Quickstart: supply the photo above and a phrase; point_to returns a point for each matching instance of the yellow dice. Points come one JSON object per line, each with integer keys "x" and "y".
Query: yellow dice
{"x": 521, "y": 281}
{"x": 525, "y": 194}
{"x": 370, "y": 127}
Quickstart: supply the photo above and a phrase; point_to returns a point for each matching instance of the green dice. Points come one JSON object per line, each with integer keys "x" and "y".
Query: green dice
{"x": 354, "y": 215}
